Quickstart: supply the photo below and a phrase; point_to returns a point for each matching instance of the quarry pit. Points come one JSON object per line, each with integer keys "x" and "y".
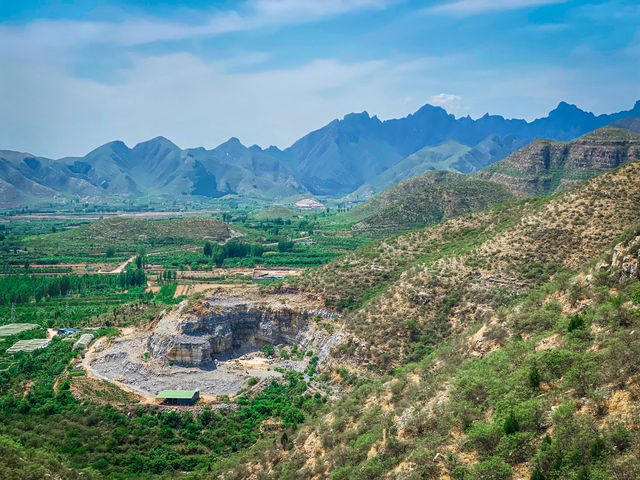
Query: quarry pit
{"x": 215, "y": 346}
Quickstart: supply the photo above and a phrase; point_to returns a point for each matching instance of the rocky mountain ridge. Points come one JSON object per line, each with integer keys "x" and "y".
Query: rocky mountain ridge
{"x": 545, "y": 166}
{"x": 541, "y": 167}
{"x": 359, "y": 153}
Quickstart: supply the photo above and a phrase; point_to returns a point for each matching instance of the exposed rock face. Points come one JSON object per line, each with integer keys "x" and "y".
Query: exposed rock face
{"x": 546, "y": 166}
{"x": 224, "y": 326}
{"x": 625, "y": 257}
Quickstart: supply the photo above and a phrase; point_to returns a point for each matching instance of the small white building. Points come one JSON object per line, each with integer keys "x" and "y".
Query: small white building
{"x": 310, "y": 204}
{"x": 83, "y": 342}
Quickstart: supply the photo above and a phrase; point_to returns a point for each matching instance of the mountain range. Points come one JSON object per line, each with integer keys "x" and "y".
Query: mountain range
{"x": 355, "y": 157}
{"x": 541, "y": 167}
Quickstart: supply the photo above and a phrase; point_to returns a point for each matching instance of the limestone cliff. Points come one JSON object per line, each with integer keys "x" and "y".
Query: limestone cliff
{"x": 545, "y": 166}
{"x": 224, "y": 324}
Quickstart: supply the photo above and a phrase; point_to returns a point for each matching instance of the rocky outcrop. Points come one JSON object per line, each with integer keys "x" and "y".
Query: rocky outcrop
{"x": 625, "y": 257}
{"x": 545, "y": 166}
{"x": 220, "y": 327}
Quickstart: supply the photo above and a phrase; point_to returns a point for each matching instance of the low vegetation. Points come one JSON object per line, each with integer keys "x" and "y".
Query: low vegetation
{"x": 493, "y": 345}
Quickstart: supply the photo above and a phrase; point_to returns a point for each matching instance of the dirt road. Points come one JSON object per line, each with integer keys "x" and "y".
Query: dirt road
{"x": 120, "y": 268}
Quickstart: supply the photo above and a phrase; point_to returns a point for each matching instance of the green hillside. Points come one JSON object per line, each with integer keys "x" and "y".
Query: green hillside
{"x": 127, "y": 234}
{"x": 276, "y": 211}
{"x": 434, "y": 204}
{"x": 545, "y": 166}
{"x": 542, "y": 167}
{"x": 507, "y": 340}
{"x": 450, "y": 155}
{"x": 425, "y": 200}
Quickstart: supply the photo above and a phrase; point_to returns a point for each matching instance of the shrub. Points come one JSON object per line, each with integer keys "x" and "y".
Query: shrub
{"x": 511, "y": 424}
{"x": 493, "y": 468}
{"x": 597, "y": 449}
{"x": 252, "y": 381}
{"x": 516, "y": 447}
{"x": 485, "y": 437}
{"x": 268, "y": 350}
{"x": 620, "y": 437}
{"x": 582, "y": 376}
{"x": 575, "y": 323}
{"x": 534, "y": 378}
{"x": 538, "y": 475}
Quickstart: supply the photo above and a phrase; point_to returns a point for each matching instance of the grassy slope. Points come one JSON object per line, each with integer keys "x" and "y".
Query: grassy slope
{"x": 276, "y": 211}
{"x": 422, "y": 206}
{"x": 456, "y": 281}
{"x": 399, "y": 191}
{"x": 428, "y": 274}
{"x": 126, "y": 234}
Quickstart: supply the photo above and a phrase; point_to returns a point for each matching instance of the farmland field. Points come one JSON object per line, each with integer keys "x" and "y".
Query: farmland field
{"x": 106, "y": 276}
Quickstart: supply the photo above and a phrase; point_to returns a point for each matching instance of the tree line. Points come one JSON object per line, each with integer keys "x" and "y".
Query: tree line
{"x": 25, "y": 288}
{"x": 218, "y": 253}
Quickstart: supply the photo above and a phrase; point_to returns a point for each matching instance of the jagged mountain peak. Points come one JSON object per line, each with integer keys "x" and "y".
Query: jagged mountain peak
{"x": 116, "y": 146}
{"x": 337, "y": 159}
{"x": 357, "y": 116}
{"x": 566, "y": 110}
{"x": 157, "y": 142}
{"x": 233, "y": 142}
{"x": 428, "y": 109}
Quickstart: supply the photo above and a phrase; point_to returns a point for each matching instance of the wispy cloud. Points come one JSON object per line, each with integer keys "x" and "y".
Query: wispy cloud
{"x": 314, "y": 8}
{"x": 192, "y": 101}
{"x": 253, "y": 14}
{"x": 472, "y": 7}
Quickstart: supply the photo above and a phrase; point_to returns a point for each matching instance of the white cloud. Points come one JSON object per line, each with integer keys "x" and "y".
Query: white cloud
{"x": 471, "y": 7}
{"x": 253, "y": 14}
{"x": 314, "y": 8}
{"x": 192, "y": 102}
{"x": 448, "y": 101}
{"x": 48, "y": 111}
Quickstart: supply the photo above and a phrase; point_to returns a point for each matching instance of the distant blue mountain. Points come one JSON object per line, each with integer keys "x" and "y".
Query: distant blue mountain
{"x": 358, "y": 153}
{"x": 347, "y": 153}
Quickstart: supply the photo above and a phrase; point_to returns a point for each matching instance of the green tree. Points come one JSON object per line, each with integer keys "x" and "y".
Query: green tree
{"x": 575, "y": 323}
{"x": 208, "y": 249}
{"x": 285, "y": 246}
{"x": 511, "y": 424}
{"x": 110, "y": 252}
{"x": 494, "y": 468}
{"x": 268, "y": 350}
{"x": 534, "y": 378}
{"x": 538, "y": 475}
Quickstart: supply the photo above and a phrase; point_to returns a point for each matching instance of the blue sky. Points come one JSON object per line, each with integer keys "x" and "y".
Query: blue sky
{"x": 77, "y": 74}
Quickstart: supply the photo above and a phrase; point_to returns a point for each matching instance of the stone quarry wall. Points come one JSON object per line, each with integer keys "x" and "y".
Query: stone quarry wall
{"x": 199, "y": 339}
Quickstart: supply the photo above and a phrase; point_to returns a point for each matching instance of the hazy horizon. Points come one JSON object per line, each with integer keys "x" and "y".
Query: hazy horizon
{"x": 80, "y": 74}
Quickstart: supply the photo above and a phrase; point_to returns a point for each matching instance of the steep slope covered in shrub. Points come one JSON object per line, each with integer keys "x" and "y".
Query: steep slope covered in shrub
{"x": 542, "y": 384}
